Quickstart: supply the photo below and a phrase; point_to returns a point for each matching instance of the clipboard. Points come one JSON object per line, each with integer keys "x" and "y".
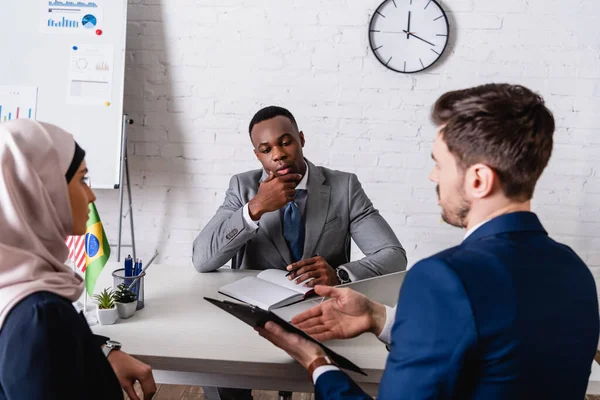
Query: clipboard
{"x": 255, "y": 316}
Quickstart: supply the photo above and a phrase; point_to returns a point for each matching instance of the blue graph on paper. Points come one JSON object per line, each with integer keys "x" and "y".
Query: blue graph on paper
{"x": 89, "y": 21}
{"x": 71, "y": 14}
{"x": 72, "y": 4}
{"x": 63, "y": 23}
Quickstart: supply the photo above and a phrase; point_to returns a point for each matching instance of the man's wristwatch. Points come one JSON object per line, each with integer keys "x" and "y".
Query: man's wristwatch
{"x": 110, "y": 346}
{"x": 342, "y": 275}
{"x": 319, "y": 362}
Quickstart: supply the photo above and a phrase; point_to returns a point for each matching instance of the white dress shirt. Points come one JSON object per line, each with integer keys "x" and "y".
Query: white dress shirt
{"x": 473, "y": 229}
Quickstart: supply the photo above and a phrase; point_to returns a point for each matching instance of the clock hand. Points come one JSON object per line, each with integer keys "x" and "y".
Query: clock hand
{"x": 412, "y": 34}
{"x": 408, "y": 29}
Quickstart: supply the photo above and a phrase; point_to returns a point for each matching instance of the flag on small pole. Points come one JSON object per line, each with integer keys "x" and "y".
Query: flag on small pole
{"x": 76, "y": 246}
{"x": 77, "y": 255}
{"x": 97, "y": 249}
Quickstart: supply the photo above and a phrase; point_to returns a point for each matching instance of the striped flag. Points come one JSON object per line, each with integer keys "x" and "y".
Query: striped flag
{"x": 76, "y": 246}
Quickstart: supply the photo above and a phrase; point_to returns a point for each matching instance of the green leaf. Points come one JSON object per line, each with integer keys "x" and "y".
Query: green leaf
{"x": 124, "y": 295}
{"x": 105, "y": 299}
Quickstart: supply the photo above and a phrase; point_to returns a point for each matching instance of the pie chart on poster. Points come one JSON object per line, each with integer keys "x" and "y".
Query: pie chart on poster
{"x": 89, "y": 21}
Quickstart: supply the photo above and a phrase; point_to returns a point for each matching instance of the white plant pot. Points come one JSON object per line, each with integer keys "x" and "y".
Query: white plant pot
{"x": 126, "y": 310}
{"x": 107, "y": 317}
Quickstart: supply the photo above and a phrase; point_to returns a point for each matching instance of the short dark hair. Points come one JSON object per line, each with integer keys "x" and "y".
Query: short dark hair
{"x": 268, "y": 113}
{"x": 506, "y": 127}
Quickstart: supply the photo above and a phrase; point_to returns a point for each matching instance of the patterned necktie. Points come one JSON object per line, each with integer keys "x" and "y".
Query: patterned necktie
{"x": 293, "y": 230}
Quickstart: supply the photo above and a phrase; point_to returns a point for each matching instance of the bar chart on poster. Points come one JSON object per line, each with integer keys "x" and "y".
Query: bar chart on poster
{"x": 17, "y": 102}
{"x": 67, "y": 67}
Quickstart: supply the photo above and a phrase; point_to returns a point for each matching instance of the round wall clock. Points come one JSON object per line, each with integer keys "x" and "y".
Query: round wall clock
{"x": 408, "y": 35}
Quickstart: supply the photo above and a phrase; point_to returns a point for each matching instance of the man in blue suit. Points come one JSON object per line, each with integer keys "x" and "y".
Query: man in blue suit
{"x": 507, "y": 314}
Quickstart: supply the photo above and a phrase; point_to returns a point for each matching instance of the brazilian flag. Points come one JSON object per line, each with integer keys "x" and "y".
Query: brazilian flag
{"x": 97, "y": 249}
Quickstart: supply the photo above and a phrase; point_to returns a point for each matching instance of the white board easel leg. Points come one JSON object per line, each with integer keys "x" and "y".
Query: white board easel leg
{"x": 125, "y": 175}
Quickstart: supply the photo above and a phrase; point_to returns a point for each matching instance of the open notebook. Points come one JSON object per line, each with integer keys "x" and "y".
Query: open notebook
{"x": 268, "y": 290}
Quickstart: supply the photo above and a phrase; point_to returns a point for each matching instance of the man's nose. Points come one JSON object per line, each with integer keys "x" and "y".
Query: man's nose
{"x": 433, "y": 177}
{"x": 279, "y": 154}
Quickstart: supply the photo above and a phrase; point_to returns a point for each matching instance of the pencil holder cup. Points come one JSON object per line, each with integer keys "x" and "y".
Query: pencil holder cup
{"x": 137, "y": 289}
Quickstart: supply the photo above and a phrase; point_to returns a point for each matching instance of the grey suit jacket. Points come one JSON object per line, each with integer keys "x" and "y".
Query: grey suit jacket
{"x": 337, "y": 209}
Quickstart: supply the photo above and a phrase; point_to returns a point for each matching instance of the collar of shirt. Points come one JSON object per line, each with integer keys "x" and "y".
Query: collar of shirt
{"x": 304, "y": 181}
{"x": 473, "y": 229}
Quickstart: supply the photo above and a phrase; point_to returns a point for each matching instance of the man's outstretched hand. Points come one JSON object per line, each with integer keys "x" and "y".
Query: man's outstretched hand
{"x": 345, "y": 315}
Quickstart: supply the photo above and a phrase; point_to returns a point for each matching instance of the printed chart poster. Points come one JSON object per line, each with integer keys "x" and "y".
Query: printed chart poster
{"x": 71, "y": 17}
{"x": 17, "y": 102}
{"x": 90, "y": 74}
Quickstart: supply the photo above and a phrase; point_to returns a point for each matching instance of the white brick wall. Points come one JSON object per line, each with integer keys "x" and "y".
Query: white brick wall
{"x": 197, "y": 70}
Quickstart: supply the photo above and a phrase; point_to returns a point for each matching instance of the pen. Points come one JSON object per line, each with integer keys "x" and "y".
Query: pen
{"x": 136, "y": 272}
{"x": 294, "y": 270}
{"x": 138, "y": 267}
{"x": 128, "y": 268}
{"x": 144, "y": 270}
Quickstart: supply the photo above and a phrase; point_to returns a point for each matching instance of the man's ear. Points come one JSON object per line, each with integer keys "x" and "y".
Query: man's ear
{"x": 301, "y": 136}
{"x": 480, "y": 181}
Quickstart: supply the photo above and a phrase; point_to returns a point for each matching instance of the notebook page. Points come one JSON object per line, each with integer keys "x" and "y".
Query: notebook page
{"x": 257, "y": 292}
{"x": 278, "y": 277}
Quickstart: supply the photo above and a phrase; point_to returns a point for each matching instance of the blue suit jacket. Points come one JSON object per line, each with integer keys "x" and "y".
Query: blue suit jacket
{"x": 508, "y": 314}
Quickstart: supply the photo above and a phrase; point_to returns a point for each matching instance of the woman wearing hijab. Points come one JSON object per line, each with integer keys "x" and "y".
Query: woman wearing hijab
{"x": 47, "y": 350}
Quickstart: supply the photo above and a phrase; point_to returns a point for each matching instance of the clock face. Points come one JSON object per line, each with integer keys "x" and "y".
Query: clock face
{"x": 408, "y": 35}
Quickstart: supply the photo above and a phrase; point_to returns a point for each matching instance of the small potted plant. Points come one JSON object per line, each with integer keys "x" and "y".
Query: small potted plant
{"x": 107, "y": 311}
{"x": 126, "y": 301}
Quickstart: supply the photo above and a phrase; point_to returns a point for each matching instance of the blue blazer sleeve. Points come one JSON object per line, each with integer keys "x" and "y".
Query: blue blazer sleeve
{"x": 338, "y": 385}
{"x": 433, "y": 334}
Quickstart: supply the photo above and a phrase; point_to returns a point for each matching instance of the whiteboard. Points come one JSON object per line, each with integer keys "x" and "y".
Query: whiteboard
{"x": 56, "y": 46}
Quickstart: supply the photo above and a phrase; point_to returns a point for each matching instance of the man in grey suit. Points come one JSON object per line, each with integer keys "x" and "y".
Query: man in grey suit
{"x": 294, "y": 215}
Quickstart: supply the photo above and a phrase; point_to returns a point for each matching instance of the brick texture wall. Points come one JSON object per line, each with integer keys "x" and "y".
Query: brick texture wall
{"x": 197, "y": 70}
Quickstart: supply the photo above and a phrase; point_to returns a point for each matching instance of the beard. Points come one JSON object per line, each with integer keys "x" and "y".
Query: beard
{"x": 456, "y": 215}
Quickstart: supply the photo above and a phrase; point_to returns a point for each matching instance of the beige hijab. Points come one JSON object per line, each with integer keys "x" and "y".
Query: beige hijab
{"x": 35, "y": 213}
